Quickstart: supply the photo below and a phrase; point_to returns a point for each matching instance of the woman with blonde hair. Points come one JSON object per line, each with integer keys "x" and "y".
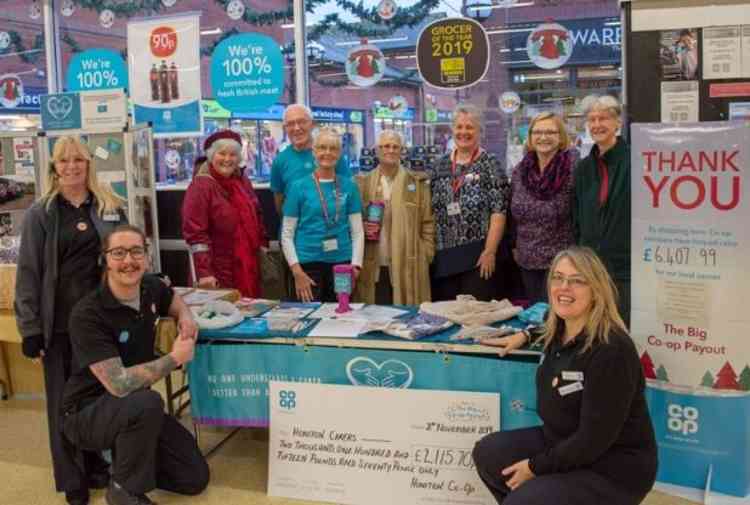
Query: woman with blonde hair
{"x": 400, "y": 247}
{"x": 58, "y": 264}
{"x": 590, "y": 398}
{"x": 541, "y": 191}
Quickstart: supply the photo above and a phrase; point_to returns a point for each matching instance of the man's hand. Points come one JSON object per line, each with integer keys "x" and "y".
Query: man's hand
{"x": 187, "y": 328}
{"x": 519, "y": 473}
{"x": 183, "y": 350}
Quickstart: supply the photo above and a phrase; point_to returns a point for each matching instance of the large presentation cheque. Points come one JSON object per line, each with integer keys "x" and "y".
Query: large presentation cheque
{"x": 369, "y": 445}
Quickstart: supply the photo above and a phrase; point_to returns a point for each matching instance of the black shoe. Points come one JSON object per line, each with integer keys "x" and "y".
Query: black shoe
{"x": 79, "y": 497}
{"x": 98, "y": 480}
{"x": 118, "y": 495}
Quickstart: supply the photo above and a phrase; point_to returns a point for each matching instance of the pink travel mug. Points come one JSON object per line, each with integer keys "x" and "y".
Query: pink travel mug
{"x": 375, "y": 213}
{"x": 343, "y": 285}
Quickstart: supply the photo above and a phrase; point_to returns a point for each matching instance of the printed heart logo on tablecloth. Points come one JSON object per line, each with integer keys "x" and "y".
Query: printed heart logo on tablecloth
{"x": 392, "y": 373}
{"x": 60, "y": 107}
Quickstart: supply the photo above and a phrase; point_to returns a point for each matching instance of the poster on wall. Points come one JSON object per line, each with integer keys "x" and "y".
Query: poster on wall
{"x": 745, "y": 43}
{"x": 374, "y": 445}
{"x": 453, "y": 53}
{"x": 678, "y": 54}
{"x": 84, "y": 111}
{"x": 680, "y": 101}
{"x": 721, "y": 52}
{"x": 165, "y": 76}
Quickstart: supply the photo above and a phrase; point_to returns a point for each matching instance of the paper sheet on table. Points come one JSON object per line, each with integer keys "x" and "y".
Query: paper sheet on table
{"x": 328, "y": 310}
{"x": 201, "y": 296}
{"x": 339, "y": 328}
{"x": 297, "y": 311}
{"x": 373, "y": 313}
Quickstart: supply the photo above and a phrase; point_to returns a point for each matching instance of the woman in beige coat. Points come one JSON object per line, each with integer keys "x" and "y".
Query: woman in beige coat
{"x": 396, "y": 267}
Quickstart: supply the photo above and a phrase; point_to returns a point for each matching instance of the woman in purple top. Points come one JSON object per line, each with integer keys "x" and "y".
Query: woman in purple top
{"x": 541, "y": 188}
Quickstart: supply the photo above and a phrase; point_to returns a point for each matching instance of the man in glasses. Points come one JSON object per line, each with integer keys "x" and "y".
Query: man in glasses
{"x": 108, "y": 403}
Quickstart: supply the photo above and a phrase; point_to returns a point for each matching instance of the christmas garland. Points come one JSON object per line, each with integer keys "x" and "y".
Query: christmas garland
{"x": 122, "y": 9}
{"x": 71, "y": 42}
{"x": 405, "y": 80}
{"x": 263, "y": 18}
{"x": 209, "y": 50}
{"x": 16, "y": 43}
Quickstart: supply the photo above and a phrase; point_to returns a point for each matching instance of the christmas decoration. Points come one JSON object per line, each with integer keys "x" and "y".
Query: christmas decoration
{"x": 648, "y": 366}
{"x": 4, "y": 40}
{"x": 235, "y": 9}
{"x": 11, "y": 90}
{"x": 24, "y": 53}
{"x": 661, "y": 374}
{"x": 708, "y": 380}
{"x": 549, "y": 45}
{"x": 35, "y": 10}
{"x": 745, "y": 378}
{"x": 510, "y": 101}
{"x": 106, "y": 18}
{"x": 168, "y": 3}
{"x": 398, "y": 105}
{"x": 365, "y": 64}
{"x": 68, "y": 8}
{"x": 726, "y": 378}
{"x": 387, "y": 9}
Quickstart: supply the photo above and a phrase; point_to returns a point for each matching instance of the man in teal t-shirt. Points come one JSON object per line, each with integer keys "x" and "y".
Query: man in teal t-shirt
{"x": 296, "y": 160}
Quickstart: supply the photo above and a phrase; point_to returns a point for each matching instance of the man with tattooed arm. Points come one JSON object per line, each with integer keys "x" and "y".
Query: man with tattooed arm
{"x": 108, "y": 403}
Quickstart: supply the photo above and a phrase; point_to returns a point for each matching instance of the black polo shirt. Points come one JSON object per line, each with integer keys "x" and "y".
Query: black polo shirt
{"x": 78, "y": 248}
{"x": 102, "y": 328}
{"x": 595, "y": 414}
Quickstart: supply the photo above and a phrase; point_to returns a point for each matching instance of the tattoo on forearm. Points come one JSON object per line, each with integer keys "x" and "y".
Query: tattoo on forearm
{"x": 121, "y": 381}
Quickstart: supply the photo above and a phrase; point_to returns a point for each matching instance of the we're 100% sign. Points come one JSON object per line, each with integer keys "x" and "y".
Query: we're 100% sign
{"x": 96, "y": 69}
{"x": 247, "y": 72}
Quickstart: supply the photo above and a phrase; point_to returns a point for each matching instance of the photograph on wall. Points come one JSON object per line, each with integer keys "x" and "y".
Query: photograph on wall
{"x": 678, "y": 54}
{"x": 721, "y": 52}
{"x": 141, "y": 160}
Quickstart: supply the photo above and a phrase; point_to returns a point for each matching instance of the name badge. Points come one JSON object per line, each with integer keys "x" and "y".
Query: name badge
{"x": 411, "y": 187}
{"x": 568, "y": 375}
{"x": 454, "y": 209}
{"x": 111, "y": 216}
{"x": 330, "y": 245}
{"x": 570, "y": 388}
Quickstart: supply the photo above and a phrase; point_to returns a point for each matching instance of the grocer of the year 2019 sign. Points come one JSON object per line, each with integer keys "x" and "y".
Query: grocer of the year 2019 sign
{"x": 453, "y": 53}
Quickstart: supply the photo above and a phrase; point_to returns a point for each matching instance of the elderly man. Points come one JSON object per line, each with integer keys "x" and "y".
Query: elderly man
{"x": 108, "y": 403}
{"x": 297, "y": 159}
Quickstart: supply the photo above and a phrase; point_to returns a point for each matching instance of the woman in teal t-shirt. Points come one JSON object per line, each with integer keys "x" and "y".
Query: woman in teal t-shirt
{"x": 322, "y": 224}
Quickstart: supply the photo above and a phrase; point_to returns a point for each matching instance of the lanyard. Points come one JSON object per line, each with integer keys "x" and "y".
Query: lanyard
{"x": 456, "y": 183}
{"x": 324, "y": 204}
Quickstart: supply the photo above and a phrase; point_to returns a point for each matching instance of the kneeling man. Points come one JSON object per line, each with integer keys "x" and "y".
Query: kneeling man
{"x": 108, "y": 403}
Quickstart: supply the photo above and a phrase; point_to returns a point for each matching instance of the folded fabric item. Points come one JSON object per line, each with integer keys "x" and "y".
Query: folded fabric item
{"x": 217, "y": 314}
{"x": 479, "y": 333}
{"x": 535, "y": 315}
{"x": 414, "y": 326}
{"x": 468, "y": 311}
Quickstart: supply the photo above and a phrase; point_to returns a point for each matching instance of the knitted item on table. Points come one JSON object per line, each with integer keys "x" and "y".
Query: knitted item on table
{"x": 468, "y": 311}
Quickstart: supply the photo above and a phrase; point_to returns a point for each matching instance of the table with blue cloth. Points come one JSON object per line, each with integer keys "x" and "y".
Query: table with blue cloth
{"x": 232, "y": 367}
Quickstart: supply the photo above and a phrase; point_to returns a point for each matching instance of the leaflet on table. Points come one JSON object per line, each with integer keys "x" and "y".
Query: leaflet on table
{"x": 338, "y": 328}
{"x": 359, "y": 311}
{"x": 375, "y": 445}
{"x": 258, "y": 326}
{"x": 194, "y": 296}
{"x": 290, "y": 310}
{"x": 328, "y": 310}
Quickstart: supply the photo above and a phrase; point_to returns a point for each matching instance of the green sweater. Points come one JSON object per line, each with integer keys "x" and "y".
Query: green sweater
{"x": 605, "y": 229}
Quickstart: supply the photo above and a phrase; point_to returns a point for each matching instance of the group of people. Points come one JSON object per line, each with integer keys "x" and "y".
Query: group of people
{"x": 423, "y": 236}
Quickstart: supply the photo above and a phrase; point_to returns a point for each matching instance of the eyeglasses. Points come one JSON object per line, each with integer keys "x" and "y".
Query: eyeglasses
{"x": 574, "y": 281}
{"x": 549, "y": 133}
{"x": 390, "y": 147}
{"x": 296, "y": 123}
{"x": 327, "y": 148}
{"x": 119, "y": 253}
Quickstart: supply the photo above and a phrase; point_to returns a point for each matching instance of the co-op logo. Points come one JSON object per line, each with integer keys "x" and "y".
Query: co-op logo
{"x": 682, "y": 419}
{"x": 287, "y": 399}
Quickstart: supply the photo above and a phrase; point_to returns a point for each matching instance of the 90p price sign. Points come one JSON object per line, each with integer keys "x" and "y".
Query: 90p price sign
{"x": 95, "y": 69}
{"x": 247, "y": 72}
{"x": 453, "y": 53}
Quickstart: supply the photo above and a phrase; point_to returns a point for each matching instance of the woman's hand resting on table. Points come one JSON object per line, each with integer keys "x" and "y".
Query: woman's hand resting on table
{"x": 506, "y": 344}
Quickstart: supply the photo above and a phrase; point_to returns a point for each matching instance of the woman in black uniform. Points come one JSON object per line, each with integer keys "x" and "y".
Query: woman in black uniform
{"x": 57, "y": 265}
{"x": 596, "y": 445}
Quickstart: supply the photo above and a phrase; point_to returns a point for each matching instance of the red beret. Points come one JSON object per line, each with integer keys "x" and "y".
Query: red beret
{"x": 222, "y": 134}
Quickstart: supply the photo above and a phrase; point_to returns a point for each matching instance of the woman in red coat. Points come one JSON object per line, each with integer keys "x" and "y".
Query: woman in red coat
{"x": 222, "y": 220}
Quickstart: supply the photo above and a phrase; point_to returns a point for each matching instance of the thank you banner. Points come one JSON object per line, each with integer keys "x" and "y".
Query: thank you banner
{"x": 370, "y": 445}
{"x": 165, "y": 74}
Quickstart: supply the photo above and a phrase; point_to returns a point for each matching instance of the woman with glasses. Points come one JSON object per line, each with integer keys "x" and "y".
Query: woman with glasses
{"x": 601, "y": 196}
{"x": 59, "y": 263}
{"x": 399, "y": 230}
{"x": 469, "y": 202}
{"x": 541, "y": 190}
{"x": 596, "y": 444}
{"x": 322, "y": 224}
{"x": 222, "y": 221}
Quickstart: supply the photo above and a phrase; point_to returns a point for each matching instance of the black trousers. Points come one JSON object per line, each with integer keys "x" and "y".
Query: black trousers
{"x": 384, "y": 288}
{"x": 535, "y": 285}
{"x": 150, "y": 448}
{"x": 580, "y": 487}
{"x": 322, "y": 275}
{"x": 66, "y": 459}
{"x": 465, "y": 283}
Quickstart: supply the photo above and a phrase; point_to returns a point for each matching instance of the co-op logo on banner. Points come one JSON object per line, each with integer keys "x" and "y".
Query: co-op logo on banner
{"x": 392, "y": 373}
{"x": 287, "y": 399}
{"x": 682, "y": 419}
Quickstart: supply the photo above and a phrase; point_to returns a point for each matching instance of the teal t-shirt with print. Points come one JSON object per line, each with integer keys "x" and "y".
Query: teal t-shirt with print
{"x": 303, "y": 202}
{"x": 291, "y": 164}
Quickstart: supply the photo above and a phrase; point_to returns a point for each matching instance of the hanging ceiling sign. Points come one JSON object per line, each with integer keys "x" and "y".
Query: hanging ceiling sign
{"x": 453, "y": 53}
{"x": 510, "y": 101}
{"x": 387, "y": 9}
{"x": 549, "y": 45}
{"x": 365, "y": 64}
